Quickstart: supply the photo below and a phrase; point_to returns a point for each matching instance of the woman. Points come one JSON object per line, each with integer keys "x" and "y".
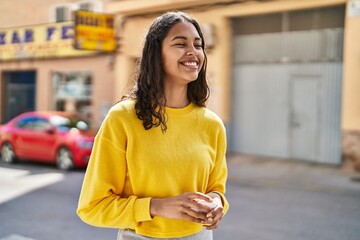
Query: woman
{"x": 158, "y": 166}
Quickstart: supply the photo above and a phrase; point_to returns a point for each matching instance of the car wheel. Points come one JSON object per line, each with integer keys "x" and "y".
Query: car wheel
{"x": 7, "y": 153}
{"x": 64, "y": 159}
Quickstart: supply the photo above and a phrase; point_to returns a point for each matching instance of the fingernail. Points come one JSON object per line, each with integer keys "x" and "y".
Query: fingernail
{"x": 208, "y": 215}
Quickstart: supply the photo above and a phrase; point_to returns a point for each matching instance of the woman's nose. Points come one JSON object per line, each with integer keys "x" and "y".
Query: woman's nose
{"x": 191, "y": 51}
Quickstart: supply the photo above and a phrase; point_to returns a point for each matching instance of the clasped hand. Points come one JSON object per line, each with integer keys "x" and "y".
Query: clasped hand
{"x": 185, "y": 208}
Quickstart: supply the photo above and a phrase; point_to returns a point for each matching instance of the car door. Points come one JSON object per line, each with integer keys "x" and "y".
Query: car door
{"x": 36, "y": 141}
{"x": 21, "y": 137}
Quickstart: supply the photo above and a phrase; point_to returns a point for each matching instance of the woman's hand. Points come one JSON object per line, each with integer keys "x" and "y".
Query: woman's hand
{"x": 182, "y": 207}
{"x": 214, "y": 217}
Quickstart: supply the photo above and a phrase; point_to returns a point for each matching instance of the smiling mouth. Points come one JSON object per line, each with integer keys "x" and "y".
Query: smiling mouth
{"x": 191, "y": 64}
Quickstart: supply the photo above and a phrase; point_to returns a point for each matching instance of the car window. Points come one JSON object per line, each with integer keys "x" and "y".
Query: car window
{"x": 40, "y": 124}
{"x": 66, "y": 123}
{"x": 25, "y": 123}
{"x": 33, "y": 123}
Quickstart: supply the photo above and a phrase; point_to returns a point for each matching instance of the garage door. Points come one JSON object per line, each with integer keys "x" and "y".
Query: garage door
{"x": 287, "y": 76}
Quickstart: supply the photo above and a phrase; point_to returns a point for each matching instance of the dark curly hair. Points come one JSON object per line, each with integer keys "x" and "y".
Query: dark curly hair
{"x": 149, "y": 88}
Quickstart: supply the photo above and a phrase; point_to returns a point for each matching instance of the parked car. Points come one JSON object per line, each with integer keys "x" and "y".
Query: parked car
{"x": 52, "y": 137}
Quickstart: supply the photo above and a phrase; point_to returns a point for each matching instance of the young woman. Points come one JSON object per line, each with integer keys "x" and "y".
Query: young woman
{"x": 158, "y": 168}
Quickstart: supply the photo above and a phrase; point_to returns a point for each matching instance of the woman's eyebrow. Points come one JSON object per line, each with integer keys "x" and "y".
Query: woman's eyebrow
{"x": 179, "y": 37}
{"x": 185, "y": 38}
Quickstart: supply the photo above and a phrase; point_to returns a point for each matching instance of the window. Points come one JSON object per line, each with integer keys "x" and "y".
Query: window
{"x": 67, "y": 123}
{"x": 73, "y": 92}
{"x": 25, "y": 123}
{"x": 33, "y": 123}
{"x": 40, "y": 125}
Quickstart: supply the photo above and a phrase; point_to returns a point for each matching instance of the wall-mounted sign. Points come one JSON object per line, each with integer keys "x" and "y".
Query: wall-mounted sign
{"x": 94, "y": 31}
{"x": 353, "y": 8}
{"x": 40, "y": 41}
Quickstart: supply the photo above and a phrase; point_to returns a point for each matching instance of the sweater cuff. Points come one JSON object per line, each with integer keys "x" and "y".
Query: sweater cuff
{"x": 142, "y": 210}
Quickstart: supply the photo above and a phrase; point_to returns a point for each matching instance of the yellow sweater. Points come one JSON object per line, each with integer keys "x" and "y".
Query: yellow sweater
{"x": 129, "y": 165}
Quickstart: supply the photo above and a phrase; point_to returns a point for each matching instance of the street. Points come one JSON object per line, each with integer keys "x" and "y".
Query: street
{"x": 269, "y": 200}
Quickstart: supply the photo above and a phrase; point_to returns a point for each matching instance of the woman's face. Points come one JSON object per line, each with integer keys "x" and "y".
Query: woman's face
{"x": 182, "y": 54}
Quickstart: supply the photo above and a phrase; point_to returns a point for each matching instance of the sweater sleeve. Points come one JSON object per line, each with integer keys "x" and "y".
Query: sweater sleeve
{"x": 218, "y": 176}
{"x": 101, "y": 203}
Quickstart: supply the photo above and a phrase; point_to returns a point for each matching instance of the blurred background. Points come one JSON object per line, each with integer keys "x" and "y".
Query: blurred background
{"x": 284, "y": 77}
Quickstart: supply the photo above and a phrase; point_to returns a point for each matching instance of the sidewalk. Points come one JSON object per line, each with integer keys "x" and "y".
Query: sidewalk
{"x": 290, "y": 173}
{"x": 275, "y": 199}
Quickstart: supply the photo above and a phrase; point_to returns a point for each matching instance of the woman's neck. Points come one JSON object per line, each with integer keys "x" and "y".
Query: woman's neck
{"x": 176, "y": 96}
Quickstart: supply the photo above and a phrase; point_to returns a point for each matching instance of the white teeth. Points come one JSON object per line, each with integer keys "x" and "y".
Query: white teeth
{"x": 190, "y": 63}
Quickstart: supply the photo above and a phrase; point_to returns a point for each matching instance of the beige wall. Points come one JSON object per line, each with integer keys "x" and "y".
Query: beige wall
{"x": 219, "y": 64}
{"x": 351, "y": 81}
{"x": 102, "y": 79}
{"x": 16, "y": 13}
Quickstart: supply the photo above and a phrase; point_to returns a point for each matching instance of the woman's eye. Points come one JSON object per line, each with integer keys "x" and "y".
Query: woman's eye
{"x": 198, "y": 46}
{"x": 180, "y": 44}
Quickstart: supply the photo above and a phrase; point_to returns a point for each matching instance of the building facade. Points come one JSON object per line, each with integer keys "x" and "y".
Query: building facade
{"x": 283, "y": 74}
{"x": 41, "y": 70}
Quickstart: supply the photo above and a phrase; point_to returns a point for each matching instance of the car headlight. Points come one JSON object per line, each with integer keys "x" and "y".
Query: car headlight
{"x": 85, "y": 144}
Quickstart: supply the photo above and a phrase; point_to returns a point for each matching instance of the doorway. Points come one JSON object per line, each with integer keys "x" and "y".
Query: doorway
{"x": 304, "y": 117}
{"x": 18, "y": 93}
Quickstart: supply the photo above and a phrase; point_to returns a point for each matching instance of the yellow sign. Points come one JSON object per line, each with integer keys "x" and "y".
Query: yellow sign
{"x": 40, "y": 41}
{"x": 94, "y": 31}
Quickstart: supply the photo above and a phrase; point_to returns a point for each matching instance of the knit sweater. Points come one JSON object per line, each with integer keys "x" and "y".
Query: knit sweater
{"x": 129, "y": 165}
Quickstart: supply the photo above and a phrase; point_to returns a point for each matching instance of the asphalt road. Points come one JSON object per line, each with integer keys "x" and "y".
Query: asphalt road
{"x": 269, "y": 200}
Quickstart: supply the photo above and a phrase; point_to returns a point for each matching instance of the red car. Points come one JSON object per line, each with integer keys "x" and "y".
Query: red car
{"x": 52, "y": 137}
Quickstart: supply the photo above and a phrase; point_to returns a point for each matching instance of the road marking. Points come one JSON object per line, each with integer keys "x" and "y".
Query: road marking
{"x": 15, "y": 182}
{"x": 16, "y": 237}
